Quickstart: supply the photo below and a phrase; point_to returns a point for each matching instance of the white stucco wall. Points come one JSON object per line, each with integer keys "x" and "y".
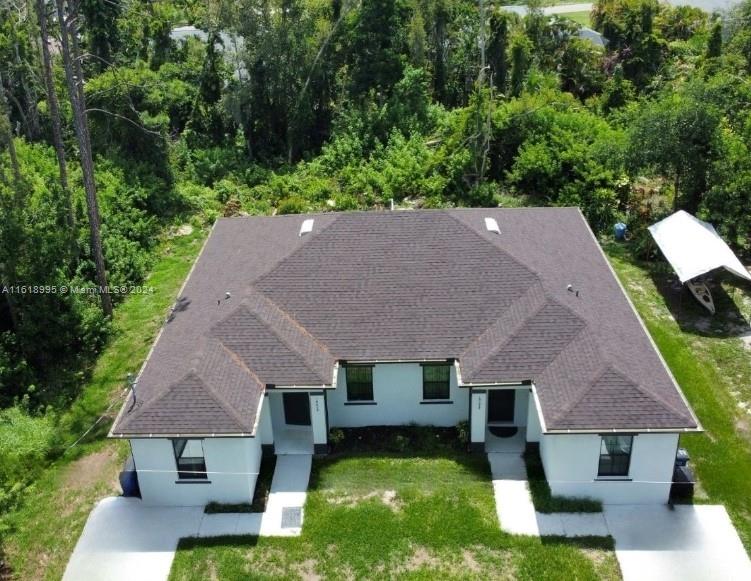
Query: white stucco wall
{"x": 534, "y": 429}
{"x": 571, "y": 463}
{"x": 479, "y": 416}
{"x": 397, "y": 391}
{"x": 521, "y": 399}
{"x": 265, "y": 427}
{"x": 157, "y": 472}
{"x": 318, "y": 418}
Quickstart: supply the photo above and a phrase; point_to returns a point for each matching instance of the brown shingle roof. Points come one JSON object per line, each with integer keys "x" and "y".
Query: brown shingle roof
{"x": 405, "y": 285}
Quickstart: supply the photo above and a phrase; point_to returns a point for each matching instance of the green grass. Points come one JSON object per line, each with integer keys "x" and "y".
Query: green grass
{"x": 45, "y": 529}
{"x": 582, "y": 18}
{"x": 540, "y": 490}
{"x": 398, "y": 516}
{"x": 713, "y": 369}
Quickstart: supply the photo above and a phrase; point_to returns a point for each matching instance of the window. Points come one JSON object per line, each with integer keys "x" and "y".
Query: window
{"x": 359, "y": 383}
{"x": 435, "y": 381}
{"x": 615, "y": 455}
{"x": 191, "y": 464}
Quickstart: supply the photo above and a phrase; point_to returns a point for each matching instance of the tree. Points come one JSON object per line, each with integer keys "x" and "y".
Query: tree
{"x": 417, "y": 38}
{"x": 714, "y": 44}
{"x": 521, "y": 51}
{"x": 376, "y": 65}
{"x": 498, "y": 46}
{"x": 74, "y": 80}
{"x": 676, "y": 136}
{"x": 100, "y": 29}
{"x": 54, "y": 111}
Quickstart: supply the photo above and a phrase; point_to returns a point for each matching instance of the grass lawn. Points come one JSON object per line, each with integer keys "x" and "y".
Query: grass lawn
{"x": 714, "y": 370}
{"x": 45, "y": 529}
{"x": 580, "y": 17}
{"x": 393, "y": 515}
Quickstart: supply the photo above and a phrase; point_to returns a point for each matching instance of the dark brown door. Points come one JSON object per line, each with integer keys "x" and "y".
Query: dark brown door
{"x": 501, "y": 405}
{"x": 296, "y": 409}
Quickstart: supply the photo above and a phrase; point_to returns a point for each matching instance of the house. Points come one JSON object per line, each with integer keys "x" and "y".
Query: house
{"x": 289, "y": 326}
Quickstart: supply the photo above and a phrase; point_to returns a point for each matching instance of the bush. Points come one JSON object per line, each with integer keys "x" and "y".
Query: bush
{"x": 292, "y": 205}
{"x": 462, "y": 431}
{"x": 25, "y": 443}
{"x": 336, "y": 436}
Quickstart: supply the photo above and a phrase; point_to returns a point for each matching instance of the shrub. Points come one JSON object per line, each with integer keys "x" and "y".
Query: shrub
{"x": 336, "y": 436}
{"x": 292, "y": 205}
{"x": 462, "y": 432}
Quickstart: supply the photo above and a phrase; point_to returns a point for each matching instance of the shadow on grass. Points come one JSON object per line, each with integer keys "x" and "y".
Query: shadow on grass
{"x": 542, "y": 498}
{"x": 190, "y": 543}
{"x": 401, "y": 442}
{"x": 605, "y": 543}
{"x": 691, "y": 317}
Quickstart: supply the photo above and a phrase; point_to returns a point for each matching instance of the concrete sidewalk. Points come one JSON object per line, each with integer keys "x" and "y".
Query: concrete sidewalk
{"x": 124, "y": 539}
{"x": 516, "y": 511}
{"x": 684, "y": 543}
{"x": 652, "y": 542}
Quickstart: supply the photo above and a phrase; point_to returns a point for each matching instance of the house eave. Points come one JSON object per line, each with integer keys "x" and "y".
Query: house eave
{"x": 135, "y": 436}
{"x": 635, "y": 430}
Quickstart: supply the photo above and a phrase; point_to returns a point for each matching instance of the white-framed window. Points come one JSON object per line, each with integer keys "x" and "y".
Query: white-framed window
{"x": 190, "y": 459}
{"x": 615, "y": 455}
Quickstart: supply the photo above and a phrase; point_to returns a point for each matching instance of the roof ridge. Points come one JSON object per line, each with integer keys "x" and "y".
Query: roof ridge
{"x": 539, "y": 305}
{"x": 192, "y": 373}
{"x": 292, "y": 320}
{"x": 601, "y": 371}
{"x": 296, "y": 325}
{"x": 237, "y": 359}
{"x": 224, "y": 404}
{"x": 311, "y": 236}
{"x": 610, "y": 367}
{"x": 448, "y": 212}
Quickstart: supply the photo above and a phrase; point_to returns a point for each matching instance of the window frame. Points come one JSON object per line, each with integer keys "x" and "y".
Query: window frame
{"x": 614, "y": 470}
{"x": 356, "y": 398}
{"x": 432, "y": 397}
{"x": 196, "y": 465}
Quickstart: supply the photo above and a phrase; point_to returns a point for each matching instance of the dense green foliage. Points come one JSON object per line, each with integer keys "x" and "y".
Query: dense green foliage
{"x": 291, "y": 106}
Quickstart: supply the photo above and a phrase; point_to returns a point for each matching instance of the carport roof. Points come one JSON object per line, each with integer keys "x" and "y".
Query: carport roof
{"x": 266, "y": 305}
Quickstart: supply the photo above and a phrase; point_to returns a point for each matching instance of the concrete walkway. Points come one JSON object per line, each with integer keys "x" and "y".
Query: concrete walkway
{"x": 686, "y": 543}
{"x": 124, "y": 539}
{"x": 683, "y": 543}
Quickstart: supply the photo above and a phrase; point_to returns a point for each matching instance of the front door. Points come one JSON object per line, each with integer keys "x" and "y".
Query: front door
{"x": 501, "y": 405}
{"x": 296, "y": 409}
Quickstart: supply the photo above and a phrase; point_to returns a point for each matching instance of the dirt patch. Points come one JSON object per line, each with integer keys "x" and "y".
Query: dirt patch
{"x": 387, "y": 497}
{"x": 307, "y": 570}
{"x": 470, "y": 562}
{"x": 422, "y": 558}
{"x": 605, "y": 563}
{"x": 268, "y": 561}
{"x": 184, "y": 230}
{"x": 90, "y": 470}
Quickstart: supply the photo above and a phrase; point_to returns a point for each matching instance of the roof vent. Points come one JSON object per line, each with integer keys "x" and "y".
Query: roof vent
{"x": 307, "y": 227}
{"x": 492, "y": 226}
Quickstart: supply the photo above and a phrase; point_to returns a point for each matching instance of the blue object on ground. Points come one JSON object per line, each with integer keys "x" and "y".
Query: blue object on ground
{"x": 620, "y": 231}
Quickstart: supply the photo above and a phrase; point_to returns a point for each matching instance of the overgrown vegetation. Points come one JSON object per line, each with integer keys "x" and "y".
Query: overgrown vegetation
{"x": 284, "y": 107}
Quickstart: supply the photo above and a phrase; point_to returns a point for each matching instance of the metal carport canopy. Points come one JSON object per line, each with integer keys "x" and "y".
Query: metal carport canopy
{"x": 693, "y": 247}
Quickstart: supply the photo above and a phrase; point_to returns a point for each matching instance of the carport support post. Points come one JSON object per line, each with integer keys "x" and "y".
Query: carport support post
{"x": 478, "y": 419}
{"x": 319, "y": 423}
